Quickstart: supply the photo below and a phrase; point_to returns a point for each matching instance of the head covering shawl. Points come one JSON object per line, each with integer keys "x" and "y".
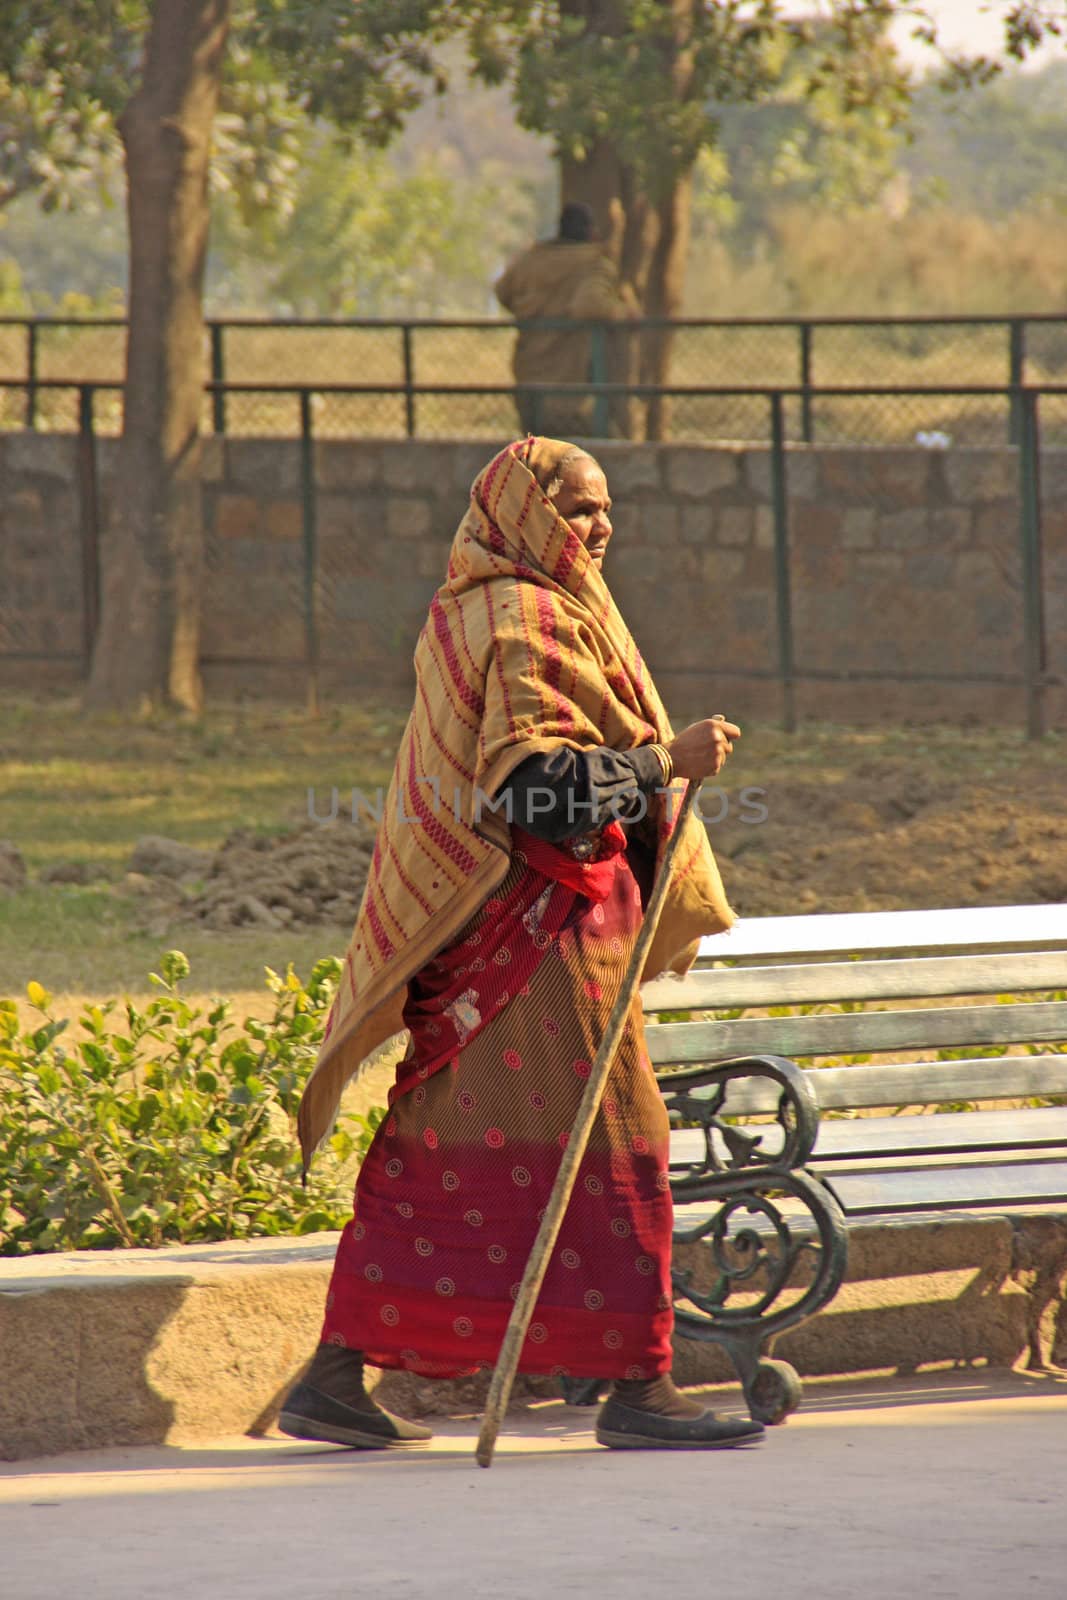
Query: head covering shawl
{"x": 523, "y": 650}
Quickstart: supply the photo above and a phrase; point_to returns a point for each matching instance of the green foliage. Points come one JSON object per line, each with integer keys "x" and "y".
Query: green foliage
{"x": 651, "y": 79}
{"x": 365, "y": 66}
{"x": 171, "y": 1125}
{"x": 363, "y": 238}
{"x": 65, "y": 74}
{"x": 806, "y": 207}
{"x": 994, "y": 151}
{"x": 804, "y": 143}
{"x": 815, "y": 262}
{"x": 645, "y": 74}
{"x": 14, "y": 301}
{"x": 64, "y": 264}
{"x": 780, "y": 114}
{"x": 1030, "y": 23}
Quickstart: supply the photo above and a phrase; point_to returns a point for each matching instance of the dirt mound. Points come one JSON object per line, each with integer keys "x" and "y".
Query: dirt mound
{"x": 295, "y": 878}
{"x": 157, "y": 857}
{"x": 76, "y": 872}
{"x": 889, "y": 839}
{"x": 311, "y": 875}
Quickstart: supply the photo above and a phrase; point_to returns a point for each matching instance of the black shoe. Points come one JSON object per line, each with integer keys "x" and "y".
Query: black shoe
{"x": 622, "y": 1427}
{"x": 310, "y": 1414}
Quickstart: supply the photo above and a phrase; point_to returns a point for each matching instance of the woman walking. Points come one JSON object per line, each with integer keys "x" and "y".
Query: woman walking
{"x": 519, "y": 841}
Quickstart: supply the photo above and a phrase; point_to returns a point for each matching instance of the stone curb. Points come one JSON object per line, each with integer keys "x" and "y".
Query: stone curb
{"x": 199, "y": 1342}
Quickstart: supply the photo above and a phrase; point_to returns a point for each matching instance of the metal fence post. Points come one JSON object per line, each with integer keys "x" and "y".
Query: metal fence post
{"x": 807, "y": 415}
{"x": 1016, "y": 370}
{"x": 31, "y": 374}
{"x": 782, "y": 593}
{"x": 89, "y": 519}
{"x": 598, "y": 373}
{"x": 310, "y": 542}
{"x": 406, "y": 334}
{"x": 218, "y": 376}
{"x": 1034, "y": 639}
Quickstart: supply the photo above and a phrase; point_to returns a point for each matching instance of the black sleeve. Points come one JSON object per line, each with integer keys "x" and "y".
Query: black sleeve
{"x": 564, "y": 793}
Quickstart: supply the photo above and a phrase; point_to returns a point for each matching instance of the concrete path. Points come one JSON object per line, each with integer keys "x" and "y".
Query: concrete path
{"x": 945, "y": 1487}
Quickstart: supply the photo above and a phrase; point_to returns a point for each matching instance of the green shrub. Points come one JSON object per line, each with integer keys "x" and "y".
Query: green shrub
{"x": 174, "y": 1125}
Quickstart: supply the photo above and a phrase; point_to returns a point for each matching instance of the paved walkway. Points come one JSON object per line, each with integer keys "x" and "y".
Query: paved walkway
{"x": 946, "y": 1487}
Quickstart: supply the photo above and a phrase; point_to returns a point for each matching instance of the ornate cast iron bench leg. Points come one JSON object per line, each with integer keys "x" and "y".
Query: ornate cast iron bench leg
{"x": 739, "y": 1269}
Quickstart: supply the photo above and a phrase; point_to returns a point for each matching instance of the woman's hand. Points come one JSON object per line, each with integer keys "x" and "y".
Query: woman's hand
{"x": 700, "y": 750}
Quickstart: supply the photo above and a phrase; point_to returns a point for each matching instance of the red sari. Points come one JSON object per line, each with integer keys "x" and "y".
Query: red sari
{"x": 504, "y": 1027}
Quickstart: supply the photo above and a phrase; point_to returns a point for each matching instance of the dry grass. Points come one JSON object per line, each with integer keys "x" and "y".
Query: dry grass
{"x": 78, "y": 789}
{"x": 82, "y": 789}
{"x": 73, "y": 788}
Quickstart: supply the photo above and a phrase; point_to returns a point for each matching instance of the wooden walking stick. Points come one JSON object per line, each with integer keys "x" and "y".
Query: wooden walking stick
{"x": 507, "y": 1361}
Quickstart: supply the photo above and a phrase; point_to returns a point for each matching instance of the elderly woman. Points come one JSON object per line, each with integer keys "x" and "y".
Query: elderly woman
{"x": 517, "y": 848}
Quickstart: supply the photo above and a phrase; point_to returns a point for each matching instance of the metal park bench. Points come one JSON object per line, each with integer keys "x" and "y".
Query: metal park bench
{"x": 763, "y": 1206}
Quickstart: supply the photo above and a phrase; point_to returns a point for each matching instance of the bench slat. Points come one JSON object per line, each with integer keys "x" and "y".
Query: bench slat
{"x": 933, "y": 1082}
{"x": 883, "y": 1166}
{"x": 693, "y": 1213}
{"x": 965, "y": 1186}
{"x": 676, "y": 1043}
{"x": 946, "y": 1132}
{"x": 910, "y": 1083}
{"x": 865, "y": 980}
{"x": 981, "y": 928}
{"x": 910, "y": 1190}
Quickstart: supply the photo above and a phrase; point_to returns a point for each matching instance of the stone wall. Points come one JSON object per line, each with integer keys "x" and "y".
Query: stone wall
{"x": 41, "y": 580}
{"x": 901, "y": 560}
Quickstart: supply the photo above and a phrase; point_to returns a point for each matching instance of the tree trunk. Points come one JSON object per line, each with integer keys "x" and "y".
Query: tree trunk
{"x": 603, "y": 184}
{"x": 663, "y": 298}
{"x": 152, "y": 554}
{"x": 649, "y": 242}
{"x": 648, "y": 235}
{"x": 665, "y": 283}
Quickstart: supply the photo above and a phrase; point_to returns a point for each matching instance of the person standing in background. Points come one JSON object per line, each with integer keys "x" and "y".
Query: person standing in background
{"x": 572, "y": 277}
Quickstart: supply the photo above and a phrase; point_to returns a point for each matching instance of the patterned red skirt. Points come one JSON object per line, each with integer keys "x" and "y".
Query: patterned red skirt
{"x": 505, "y": 1026}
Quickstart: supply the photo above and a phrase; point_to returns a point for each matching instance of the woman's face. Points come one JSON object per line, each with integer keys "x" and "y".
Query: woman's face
{"x": 583, "y": 501}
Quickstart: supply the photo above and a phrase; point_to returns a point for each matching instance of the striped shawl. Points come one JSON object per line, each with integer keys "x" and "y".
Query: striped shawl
{"x": 523, "y": 650}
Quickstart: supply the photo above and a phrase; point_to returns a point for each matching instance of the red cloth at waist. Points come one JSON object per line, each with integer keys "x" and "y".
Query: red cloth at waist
{"x": 465, "y": 986}
{"x": 593, "y": 879}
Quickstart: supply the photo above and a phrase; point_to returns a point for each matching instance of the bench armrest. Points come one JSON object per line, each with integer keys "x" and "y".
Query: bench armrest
{"x": 698, "y": 1096}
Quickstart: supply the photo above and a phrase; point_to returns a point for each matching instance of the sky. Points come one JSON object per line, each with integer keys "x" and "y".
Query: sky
{"x": 973, "y": 25}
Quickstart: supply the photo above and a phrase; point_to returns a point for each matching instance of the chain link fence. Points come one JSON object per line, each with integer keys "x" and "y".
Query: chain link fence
{"x": 931, "y": 418}
{"x": 453, "y": 379}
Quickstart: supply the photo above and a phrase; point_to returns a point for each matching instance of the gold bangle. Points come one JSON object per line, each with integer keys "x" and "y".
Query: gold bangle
{"x": 662, "y": 755}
